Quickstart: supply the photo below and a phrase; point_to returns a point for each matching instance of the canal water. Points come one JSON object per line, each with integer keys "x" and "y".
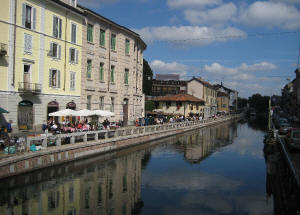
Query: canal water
{"x": 214, "y": 170}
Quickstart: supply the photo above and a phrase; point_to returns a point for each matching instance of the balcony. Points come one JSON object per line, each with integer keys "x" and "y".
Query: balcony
{"x": 25, "y": 87}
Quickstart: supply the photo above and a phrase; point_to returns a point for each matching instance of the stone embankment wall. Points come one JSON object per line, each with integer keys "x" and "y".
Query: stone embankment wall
{"x": 102, "y": 142}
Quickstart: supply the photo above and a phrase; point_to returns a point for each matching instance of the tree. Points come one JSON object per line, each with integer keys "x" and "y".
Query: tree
{"x": 149, "y": 105}
{"x": 259, "y": 103}
{"x": 147, "y": 78}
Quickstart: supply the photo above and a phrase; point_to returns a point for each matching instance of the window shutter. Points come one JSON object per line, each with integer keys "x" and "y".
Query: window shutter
{"x": 34, "y": 18}
{"x": 75, "y": 29}
{"x": 53, "y": 27}
{"x": 59, "y": 51}
{"x": 76, "y": 56}
{"x": 70, "y": 55}
{"x": 23, "y": 14}
{"x": 51, "y": 50}
{"x": 58, "y": 78}
{"x": 60, "y": 25}
{"x": 50, "y": 78}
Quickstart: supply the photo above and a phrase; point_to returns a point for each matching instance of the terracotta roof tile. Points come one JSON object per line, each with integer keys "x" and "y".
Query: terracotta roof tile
{"x": 179, "y": 98}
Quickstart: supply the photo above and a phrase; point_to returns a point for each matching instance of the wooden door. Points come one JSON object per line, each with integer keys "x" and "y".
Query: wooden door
{"x": 125, "y": 112}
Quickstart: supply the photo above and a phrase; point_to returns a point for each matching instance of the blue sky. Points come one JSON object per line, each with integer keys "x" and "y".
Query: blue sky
{"x": 251, "y": 46}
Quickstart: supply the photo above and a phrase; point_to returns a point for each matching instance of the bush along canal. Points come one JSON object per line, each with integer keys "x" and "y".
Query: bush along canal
{"x": 213, "y": 170}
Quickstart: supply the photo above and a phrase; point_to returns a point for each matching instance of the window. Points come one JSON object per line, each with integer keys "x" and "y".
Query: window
{"x": 90, "y": 30}
{"x": 113, "y": 42}
{"x": 124, "y": 183}
{"x": 112, "y": 107}
{"x": 54, "y": 78}
{"x": 27, "y": 43}
{"x": 57, "y": 25}
{"x": 73, "y": 55}
{"x": 88, "y": 103}
{"x": 101, "y": 103}
{"x": 110, "y": 193}
{"x": 126, "y": 74}
{"x": 102, "y": 37}
{"x": 72, "y": 80}
{"x": 89, "y": 69}
{"x": 99, "y": 194}
{"x": 55, "y": 50}
{"x": 71, "y": 193}
{"x": 101, "y": 72}
{"x": 73, "y": 33}
{"x": 127, "y": 46}
{"x": 112, "y": 74}
{"x": 87, "y": 198}
{"x": 28, "y": 16}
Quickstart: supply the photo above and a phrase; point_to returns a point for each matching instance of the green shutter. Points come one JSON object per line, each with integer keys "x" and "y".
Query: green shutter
{"x": 102, "y": 38}
{"x": 126, "y": 77}
{"x": 101, "y": 71}
{"x": 89, "y": 69}
{"x": 113, "y": 42}
{"x": 127, "y": 45}
{"x": 112, "y": 77}
{"x": 90, "y": 33}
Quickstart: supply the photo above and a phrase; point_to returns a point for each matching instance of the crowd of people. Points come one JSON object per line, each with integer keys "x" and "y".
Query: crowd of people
{"x": 69, "y": 127}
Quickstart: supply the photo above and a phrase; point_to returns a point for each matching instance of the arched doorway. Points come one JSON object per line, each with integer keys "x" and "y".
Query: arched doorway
{"x": 125, "y": 112}
{"x": 52, "y": 107}
{"x": 25, "y": 115}
{"x": 71, "y": 105}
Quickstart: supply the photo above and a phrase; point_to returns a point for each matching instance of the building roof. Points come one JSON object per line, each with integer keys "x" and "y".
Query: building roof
{"x": 218, "y": 86}
{"x": 178, "y": 98}
{"x": 68, "y": 6}
{"x": 166, "y": 77}
{"x": 200, "y": 80}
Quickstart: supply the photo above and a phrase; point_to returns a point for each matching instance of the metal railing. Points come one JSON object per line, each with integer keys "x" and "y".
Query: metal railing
{"x": 27, "y": 87}
{"x": 103, "y": 136}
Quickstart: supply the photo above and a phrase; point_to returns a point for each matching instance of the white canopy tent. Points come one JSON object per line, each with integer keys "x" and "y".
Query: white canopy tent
{"x": 103, "y": 113}
{"x": 65, "y": 112}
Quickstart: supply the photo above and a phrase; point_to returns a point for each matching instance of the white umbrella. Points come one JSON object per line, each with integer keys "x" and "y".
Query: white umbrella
{"x": 103, "y": 113}
{"x": 84, "y": 112}
{"x": 65, "y": 112}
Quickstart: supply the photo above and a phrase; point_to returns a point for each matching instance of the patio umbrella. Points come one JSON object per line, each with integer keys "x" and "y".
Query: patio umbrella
{"x": 3, "y": 110}
{"x": 103, "y": 113}
{"x": 65, "y": 112}
{"x": 83, "y": 112}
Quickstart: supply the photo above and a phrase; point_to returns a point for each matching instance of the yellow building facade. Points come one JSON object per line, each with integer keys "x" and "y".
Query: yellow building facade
{"x": 180, "y": 104}
{"x": 41, "y": 71}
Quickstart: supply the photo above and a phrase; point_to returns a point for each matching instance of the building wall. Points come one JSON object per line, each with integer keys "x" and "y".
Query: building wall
{"x": 32, "y": 49}
{"x": 223, "y": 104}
{"x": 5, "y": 27}
{"x": 185, "y": 109}
{"x": 196, "y": 89}
{"x": 118, "y": 90}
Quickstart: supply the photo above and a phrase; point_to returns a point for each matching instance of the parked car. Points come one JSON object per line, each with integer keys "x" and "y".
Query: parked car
{"x": 283, "y": 128}
{"x": 293, "y": 139}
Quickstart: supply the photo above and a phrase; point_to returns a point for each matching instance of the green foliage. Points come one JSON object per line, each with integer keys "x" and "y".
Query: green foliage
{"x": 147, "y": 78}
{"x": 149, "y": 105}
{"x": 259, "y": 103}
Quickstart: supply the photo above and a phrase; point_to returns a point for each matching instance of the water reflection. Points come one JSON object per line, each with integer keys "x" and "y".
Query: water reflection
{"x": 202, "y": 171}
{"x": 87, "y": 187}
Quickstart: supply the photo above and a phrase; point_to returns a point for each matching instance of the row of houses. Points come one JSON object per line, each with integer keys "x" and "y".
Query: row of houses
{"x": 193, "y": 97}
{"x": 56, "y": 54}
{"x": 291, "y": 95}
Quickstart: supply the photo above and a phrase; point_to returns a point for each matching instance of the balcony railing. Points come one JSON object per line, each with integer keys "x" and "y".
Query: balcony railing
{"x": 26, "y": 87}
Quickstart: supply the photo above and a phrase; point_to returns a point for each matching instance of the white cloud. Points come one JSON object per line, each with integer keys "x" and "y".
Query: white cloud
{"x": 271, "y": 14}
{"x": 218, "y": 68}
{"x": 192, "y": 3}
{"x": 159, "y": 66}
{"x": 189, "y": 35}
{"x": 263, "y": 66}
{"x": 288, "y": 1}
{"x": 220, "y": 14}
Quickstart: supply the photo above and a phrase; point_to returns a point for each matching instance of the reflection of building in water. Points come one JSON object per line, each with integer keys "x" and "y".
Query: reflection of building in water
{"x": 203, "y": 142}
{"x": 94, "y": 187}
